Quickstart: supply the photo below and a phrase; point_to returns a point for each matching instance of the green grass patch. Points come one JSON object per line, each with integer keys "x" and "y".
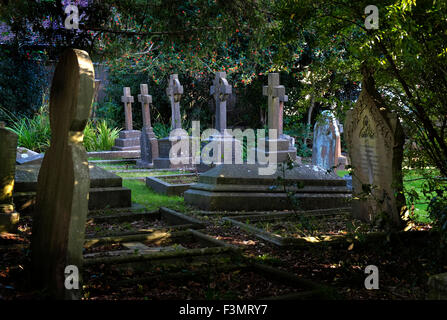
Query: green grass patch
{"x": 146, "y": 173}
{"x": 342, "y": 173}
{"x": 143, "y": 195}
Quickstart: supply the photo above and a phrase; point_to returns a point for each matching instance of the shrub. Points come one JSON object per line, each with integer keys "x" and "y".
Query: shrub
{"x": 33, "y": 133}
{"x": 161, "y": 130}
{"x": 99, "y": 136}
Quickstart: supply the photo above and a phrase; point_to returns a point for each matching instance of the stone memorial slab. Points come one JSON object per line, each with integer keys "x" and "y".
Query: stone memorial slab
{"x": 375, "y": 142}
{"x": 26, "y": 156}
{"x": 63, "y": 184}
{"x": 240, "y": 187}
{"x": 106, "y": 189}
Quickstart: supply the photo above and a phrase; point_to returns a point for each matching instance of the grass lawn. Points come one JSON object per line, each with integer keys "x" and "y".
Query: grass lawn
{"x": 152, "y": 201}
{"x": 146, "y": 174}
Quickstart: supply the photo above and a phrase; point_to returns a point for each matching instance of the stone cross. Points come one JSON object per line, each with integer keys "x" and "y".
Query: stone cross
{"x": 64, "y": 182}
{"x": 145, "y": 99}
{"x": 8, "y": 147}
{"x": 174, "y": 92}
{"x": 276, "y": 94}
{"x": 221, "y": 90}
{"x": 127, "y": 99}
{"x": 148, "y": 141}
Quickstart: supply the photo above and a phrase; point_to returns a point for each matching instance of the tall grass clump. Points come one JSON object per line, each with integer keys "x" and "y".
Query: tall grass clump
{"x": 99, "y": 136}
{"x": 33, "y": 133}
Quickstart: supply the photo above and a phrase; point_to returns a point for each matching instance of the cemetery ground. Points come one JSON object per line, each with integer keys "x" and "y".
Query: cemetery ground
{"x": 405, "y": 262}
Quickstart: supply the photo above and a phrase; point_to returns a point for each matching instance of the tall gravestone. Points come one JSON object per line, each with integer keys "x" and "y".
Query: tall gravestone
{"x": 8, "y": 144}
{"x": 375, "y": 142}
{"x": 276, "y": 95}
{"x": 148, "y": 141}
{"x": 220, "y": 90}
{"x": 174, "y": 92}
{"x": 128, "y": 139}
{"x": 63, "y": 183}
{"x": 326, "y": 150}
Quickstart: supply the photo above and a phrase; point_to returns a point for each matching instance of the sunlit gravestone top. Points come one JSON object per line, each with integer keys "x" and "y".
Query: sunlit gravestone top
{"x": 63, "y": 183}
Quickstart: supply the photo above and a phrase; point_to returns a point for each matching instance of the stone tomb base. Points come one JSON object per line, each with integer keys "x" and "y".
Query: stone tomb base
{"x": 240, "y": 187}
{"x": 128, "y": 140}
{"x": 164, "y": 162}
{"x": 106, "y": 190}
{"x": 284, "y": 150}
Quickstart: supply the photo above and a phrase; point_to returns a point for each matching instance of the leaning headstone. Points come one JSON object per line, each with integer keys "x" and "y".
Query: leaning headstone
{"x": 128, "y": 139}
{"x": 148, "y": 141}
{"x": 326, "y": 150}
{"x": 63, "y": 184}
{"x": 276, "y": 94}
{"x": 174, "y": 92}
{"x": 375, "y": 142}
{"x": 8, "y": 144}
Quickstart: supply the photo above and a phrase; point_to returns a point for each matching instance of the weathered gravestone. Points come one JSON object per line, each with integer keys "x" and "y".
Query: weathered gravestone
{"x": 220, "y": 90}
{"x": 63, "y": 186}
{"x": 375, "y": 142}
{"x": 129, "y": 139}
{"x": 165, "y": 145}
{"x": 8, "y": 144}
{"x": 148, "y": 141}
{"x": 326, "y": 150}
{"x": 276, "y": 94}
{"x": 221, "y": 146}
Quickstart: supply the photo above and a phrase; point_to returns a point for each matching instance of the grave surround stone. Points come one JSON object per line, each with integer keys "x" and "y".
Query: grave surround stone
{"x": 63, "y": 184}
{"x": 148, "y": 141}
{"x": 128, "y": 139}
{"x": 26, "y": 156}
{"x": 241, "y": 188}
{"x": 326, "y": 150}
{"x": 8, "y": 146}
{"x": 375, "y": 142}
{"x": 106, "y": 189}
